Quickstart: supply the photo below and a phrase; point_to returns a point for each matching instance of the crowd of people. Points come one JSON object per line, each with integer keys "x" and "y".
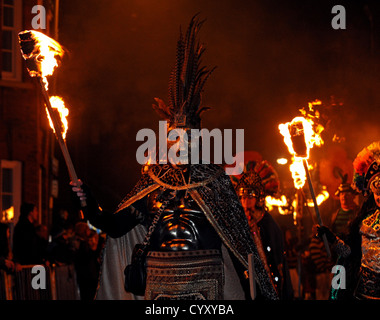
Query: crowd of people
{"x": 190, "y": 231}
{"x": 310, "y": 266}
{"x": 305, "y": 271}
{"x": 66, "y": 244}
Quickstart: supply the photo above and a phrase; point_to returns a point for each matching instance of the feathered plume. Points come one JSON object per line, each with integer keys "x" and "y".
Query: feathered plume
{"x": 366, "y": 167}
{"x": 186, "y": 82}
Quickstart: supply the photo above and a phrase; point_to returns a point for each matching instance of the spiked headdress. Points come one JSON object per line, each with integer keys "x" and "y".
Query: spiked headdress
{"x": 186, "y": 82}
{"x": 367, "y": 169}
{"x": 258, "y": 179}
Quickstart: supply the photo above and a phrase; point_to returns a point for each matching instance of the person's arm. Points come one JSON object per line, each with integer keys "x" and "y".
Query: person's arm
{"x": 340, "y": 247}
{"x": 114, "y": 224}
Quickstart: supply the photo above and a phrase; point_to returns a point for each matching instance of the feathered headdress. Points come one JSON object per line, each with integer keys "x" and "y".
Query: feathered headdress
{"x": 259, "y": 178}
{"x": 186, "y": 82}
{"x": 366, "y": 167}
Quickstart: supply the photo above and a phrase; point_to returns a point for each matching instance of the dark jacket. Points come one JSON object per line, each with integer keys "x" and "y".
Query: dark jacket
{"x": 28, "y": 247}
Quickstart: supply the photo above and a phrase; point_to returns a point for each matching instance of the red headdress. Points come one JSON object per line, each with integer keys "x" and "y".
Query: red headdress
{"x": 259, "y": 178}
{"x": 366, "y": 168}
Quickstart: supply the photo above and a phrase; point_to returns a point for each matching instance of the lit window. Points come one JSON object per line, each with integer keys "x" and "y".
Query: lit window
{"x": 10, "y": 178}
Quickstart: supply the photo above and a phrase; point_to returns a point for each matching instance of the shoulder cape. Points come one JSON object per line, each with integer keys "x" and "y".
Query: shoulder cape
{"x": 212, "y": 190}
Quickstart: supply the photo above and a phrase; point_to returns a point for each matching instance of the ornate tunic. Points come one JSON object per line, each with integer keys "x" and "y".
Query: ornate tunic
{"x": 214, "y": 195}
{"x": 369, "y": 281}
{"x": 370, "y": 231}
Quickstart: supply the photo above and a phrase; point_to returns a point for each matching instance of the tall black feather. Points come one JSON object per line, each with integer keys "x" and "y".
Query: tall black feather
{"x": 186, "y": 81}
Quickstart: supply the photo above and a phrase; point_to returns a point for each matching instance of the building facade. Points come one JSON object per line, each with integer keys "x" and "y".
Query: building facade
{"x": 27, "y": 146}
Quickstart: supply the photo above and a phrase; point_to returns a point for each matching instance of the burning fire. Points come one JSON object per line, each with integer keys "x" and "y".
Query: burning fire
{"x": 41, "y": 53}
{"x": 45, "y": 52}
{"x": 281, "y": 203}
{"x": 324, "y": 195}
{"x": 298, "y": 173}
{"x": 300, "y": 135}
{"x": 302, "y": 128}
{"x": 58, "y": 104}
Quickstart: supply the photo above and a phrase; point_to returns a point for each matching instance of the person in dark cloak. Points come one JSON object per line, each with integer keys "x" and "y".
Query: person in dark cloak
{"x": 185, "y": 218}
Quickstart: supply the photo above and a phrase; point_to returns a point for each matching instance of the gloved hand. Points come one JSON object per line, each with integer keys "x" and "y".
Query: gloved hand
{"x": 77, "y": 189}
{"x": 321, "y": 230}
{"x": 84, "y": 200}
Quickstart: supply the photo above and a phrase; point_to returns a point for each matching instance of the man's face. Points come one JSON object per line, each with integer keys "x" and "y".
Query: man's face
{"x": 33, "y": 215}
{"x": 248, "y": 202}
{"x": 346, "y": 200}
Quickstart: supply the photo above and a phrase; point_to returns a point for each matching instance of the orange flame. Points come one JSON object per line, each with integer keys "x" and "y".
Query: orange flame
{"x": 281, "y": 203}
{"x": 46, "y": 50}
{"x": 312, "y": 135}
{"x": 58, "y": 104}
{"x": 298, "y": 172}
{"x": 324, "y": 195}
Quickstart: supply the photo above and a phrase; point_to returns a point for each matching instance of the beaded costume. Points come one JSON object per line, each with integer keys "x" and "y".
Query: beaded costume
{"x": 200, "y": 246}
{"x": 360, "y": 251}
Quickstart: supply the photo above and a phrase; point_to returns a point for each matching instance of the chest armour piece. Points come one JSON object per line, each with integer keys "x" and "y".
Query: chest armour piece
{"x": 182, "y": 227}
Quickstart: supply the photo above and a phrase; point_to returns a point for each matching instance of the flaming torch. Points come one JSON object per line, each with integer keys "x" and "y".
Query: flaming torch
{"x": 41, "y": 53}
{"x": 300, "y": 138}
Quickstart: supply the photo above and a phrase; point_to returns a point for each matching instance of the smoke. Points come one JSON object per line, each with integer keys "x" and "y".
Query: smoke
{"x": 272, "y": 58}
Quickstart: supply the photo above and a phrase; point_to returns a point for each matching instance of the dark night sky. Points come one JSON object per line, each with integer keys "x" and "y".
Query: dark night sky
{"x": 272, "y": 58}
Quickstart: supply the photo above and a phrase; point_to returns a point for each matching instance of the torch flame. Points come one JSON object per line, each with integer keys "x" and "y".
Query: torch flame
{"x": 281, "y": 203}
{"x": 58, "y": 104}
{"x": 324, "y": 195}
{"x": 298, "y": 173}
{"x": 309, "y": 134}
{"x": 45, "y": 52}
{"x": 311, "y": 137}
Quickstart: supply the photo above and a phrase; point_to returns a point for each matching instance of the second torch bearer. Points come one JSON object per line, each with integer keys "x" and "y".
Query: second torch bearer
{"x": 300, "y": 147}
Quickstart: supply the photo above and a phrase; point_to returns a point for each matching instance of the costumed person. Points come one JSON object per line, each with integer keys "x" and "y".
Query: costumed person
{"x": 359, "y": 251}
{"x": 348, "y": 208}
{"x": 258, "y": 180}
{"x": 182, "y": 224}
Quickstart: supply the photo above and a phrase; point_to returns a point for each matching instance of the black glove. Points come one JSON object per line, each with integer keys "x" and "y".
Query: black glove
{"x": 321, "y": 230}
{"x": 80, "y": 192}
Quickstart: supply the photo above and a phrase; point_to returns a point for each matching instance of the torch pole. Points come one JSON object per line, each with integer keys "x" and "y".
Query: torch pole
{"x": 324, "y": 238}
{"x": 58, "y": 134}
